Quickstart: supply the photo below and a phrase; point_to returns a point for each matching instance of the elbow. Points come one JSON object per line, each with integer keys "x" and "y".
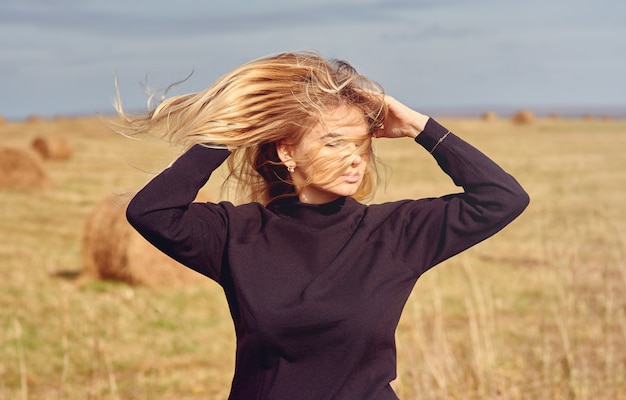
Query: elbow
{"x": 139, "y": 219}
{"x": 517, "y": 202}
{"x": 524, "y": 199}
{"x": 134, "y": 215}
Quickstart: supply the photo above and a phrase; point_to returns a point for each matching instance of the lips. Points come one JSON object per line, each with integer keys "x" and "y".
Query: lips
{"x": 351, "y": 178}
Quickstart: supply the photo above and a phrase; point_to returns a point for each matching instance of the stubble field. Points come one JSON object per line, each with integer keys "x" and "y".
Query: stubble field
{"x": 536, "y": 312}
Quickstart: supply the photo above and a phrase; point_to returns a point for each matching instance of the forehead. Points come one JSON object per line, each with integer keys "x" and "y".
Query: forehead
{"x": 341, "y": 121}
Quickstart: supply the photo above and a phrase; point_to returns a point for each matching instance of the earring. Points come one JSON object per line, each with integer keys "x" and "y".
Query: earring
{"x": 291, "y": 167}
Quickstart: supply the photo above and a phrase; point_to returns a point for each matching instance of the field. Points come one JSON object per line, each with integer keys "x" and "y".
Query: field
{"x": 536, "y": 312}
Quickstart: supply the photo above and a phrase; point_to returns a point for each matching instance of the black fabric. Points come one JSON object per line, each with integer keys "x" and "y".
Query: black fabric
{"x": 316, "y": 291}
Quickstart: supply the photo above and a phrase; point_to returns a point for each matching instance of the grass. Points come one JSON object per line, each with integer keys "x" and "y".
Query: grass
{"x": 537, "y": 312}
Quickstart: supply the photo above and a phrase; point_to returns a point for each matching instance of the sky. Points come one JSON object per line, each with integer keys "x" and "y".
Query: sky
{"x": 62, "y": 57}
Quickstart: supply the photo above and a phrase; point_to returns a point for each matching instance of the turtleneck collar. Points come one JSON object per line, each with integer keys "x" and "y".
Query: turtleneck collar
{"x": 318, "y": 216}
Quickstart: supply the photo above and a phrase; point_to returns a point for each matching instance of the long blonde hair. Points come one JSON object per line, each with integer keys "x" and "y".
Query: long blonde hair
{"x": 275, "y": 99}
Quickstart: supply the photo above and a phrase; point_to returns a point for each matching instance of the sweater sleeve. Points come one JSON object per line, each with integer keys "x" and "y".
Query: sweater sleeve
{"x": 163, "y": 212}
{"x": 436, "y": 229}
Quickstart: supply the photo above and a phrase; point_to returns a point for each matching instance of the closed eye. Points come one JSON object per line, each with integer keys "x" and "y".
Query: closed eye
{"x": 336, "y": 143}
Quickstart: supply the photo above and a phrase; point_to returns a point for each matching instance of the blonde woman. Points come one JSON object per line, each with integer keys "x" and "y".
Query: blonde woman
{"x": 315, "y": 279}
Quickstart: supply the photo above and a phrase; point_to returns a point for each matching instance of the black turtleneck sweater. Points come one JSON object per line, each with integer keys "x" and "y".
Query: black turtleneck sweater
{"x": 316, "y": 291}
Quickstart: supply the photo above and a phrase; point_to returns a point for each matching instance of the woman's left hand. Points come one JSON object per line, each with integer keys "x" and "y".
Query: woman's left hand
{"x": 401, "y": 121}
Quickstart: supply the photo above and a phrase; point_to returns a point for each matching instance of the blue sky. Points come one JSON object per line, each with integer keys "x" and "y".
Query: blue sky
{"x": 60, "y": 57}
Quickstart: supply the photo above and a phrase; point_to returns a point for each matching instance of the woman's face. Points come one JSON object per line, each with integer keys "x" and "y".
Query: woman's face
{"x": 331, "y": 159}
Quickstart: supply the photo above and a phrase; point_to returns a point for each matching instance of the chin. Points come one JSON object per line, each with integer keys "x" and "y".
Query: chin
{"x": 349, "y": 191}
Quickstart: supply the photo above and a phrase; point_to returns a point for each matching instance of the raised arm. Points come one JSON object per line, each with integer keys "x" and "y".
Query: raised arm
{"x": 164, "y": 213}
{"x": 438, "y": 228}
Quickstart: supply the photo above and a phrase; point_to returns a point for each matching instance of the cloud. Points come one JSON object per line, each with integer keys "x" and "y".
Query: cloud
{"x": 440, "y": 51}
{"x": 201, "y": 19}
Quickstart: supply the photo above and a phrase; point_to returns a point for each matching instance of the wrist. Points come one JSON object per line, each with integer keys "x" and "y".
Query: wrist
{"x": 418, "y": 125}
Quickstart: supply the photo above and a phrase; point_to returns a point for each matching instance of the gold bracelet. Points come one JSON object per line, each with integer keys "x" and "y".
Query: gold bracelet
{"x": 439, "y": 142}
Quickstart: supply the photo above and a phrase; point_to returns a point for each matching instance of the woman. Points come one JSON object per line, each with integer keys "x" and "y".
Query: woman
{"x": 315, "y": 280}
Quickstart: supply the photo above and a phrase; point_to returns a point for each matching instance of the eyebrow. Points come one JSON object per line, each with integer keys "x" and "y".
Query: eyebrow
{"x": 331, "y": 135}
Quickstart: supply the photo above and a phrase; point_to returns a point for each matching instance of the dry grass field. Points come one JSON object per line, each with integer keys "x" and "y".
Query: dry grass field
{"x": 536, "y": 312}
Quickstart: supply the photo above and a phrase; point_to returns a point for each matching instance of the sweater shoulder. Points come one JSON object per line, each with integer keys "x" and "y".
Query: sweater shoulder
{"x": 397, "y": 207}
{"x": 242, "y": 212}
{"x": 395, "y": 213}
{"x": 248, "y": 217}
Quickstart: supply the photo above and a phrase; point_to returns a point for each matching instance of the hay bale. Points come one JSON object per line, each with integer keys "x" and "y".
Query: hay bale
{"x": 489, "y": 116}
{"x": 52, "y": 147}
{"x": 22, "y": 168}
{"x": 523, "y": 117}
{"x": 554, "y": 117}
{"x": 33, "y": 119}
{"x": 113, "y": 250}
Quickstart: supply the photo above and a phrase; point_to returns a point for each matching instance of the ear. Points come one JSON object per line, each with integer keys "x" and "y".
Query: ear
{"x": 284, "y": 152}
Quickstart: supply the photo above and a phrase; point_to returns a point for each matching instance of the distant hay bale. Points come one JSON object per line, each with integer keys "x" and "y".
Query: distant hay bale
{"x": 113, "y": 250}
{"x": 489, "y": 116}
{"x": 52, "y": 147}
{"x": 554, "y": 117}
{"x": 33, "y": 119}
{"x": 22, "y": 168}
{"x": 523, "y": 117}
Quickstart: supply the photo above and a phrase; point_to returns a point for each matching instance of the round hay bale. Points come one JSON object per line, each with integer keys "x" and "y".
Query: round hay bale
{"x": 33, "y": 119}
{"x": 554, "y": 117}
{"x": 523, "y": 117}
{"x": 489, "y": 116}
{"x": 113, "y": 250}
{"x": 52, "y": 148}
{"x": 22, "y": 168}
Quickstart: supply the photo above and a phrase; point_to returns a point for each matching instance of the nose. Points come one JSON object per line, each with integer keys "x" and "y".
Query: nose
{"x": 356, "y": 159}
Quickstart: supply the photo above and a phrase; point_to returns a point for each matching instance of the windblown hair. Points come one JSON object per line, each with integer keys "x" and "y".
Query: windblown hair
{"x": 276, "y": 99}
